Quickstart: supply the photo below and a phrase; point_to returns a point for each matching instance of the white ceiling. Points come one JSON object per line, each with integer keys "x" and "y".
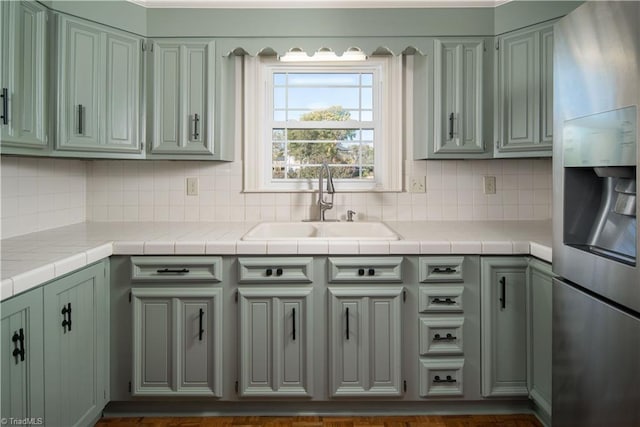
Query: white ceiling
{"x": 319, "y": 4}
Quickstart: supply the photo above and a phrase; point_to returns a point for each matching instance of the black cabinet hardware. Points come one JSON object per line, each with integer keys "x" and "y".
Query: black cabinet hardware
{"x": 446, "y": 270}
{"x": 66, "y": 318}
{"x": 196, "y": 119}
{"x": 269, "y": 272}
{"x": 347, "y": 316}
{"x": 361, "y": 272}
{"x": 447, "y": 301}
{"x": 278, "y": 272}
{"x": 201, "y": 329}
{"x": 371, "y": 272}
{"x": 80, "y": 119}
{"x": 503, "y": 292}
{"x": 5, "y": 106}
{"x": 448, "y": 379}
{"x": 451, "y": 126}
{"x": 18, "y": 344}
{"x": 448, "y": 337}
{"x": 172, "y": 270}
{"x": 293, "y": 320}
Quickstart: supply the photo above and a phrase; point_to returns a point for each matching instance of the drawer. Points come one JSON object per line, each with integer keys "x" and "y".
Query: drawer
{"x": 275, "y": 270}
{"x": 441, "y": 336}
{"x": 176, "y": 269}
{"x": 365, "y": 269}
{"x": 440, "y": 299}
{"x": 441, "y": 377}
{"x": 441, "y": 269}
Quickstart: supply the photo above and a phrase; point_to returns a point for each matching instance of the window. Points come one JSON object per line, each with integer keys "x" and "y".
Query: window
{"x": 299, "y": 115}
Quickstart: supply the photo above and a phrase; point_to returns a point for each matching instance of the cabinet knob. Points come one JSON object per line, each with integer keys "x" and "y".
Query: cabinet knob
{"x": 361, "y": 272}
{"x": 279, "y": 272}
{"x": 371, "y": 272}
{"x": 269, "y": 272}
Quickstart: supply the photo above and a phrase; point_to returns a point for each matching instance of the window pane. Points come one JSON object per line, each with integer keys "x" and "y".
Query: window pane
{"x": 279, "y": 97}
{"x": 316, "y": 98}
{"x": 280, "y": 115}
{"x": 367, "y": 98}
{"x": 366, "y": 135}
{"x": 304, "y": 153}
{"x": 366, "y": 152}
{"x": 279, "y": 79}
{"x": 321, "y": 134}
{"x": 277, "y": 135}
{"x": 367, "y": 79}
{"x": 297, "y": 172}
{"x": 352, "y": 172}
{"x": 323, "y": 79}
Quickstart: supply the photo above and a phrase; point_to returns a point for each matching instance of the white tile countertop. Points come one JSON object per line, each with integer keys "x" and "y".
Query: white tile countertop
{"x": 33, "y": 259}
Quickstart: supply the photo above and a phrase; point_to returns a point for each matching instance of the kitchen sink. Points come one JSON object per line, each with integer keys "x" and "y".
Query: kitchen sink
{"x": 321, "y": 230}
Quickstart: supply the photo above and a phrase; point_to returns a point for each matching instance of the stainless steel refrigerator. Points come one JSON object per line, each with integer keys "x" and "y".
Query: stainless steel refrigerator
{"x": 596, "y": 306}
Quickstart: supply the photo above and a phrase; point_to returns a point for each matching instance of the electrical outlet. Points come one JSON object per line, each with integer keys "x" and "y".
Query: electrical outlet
{"x": 489, "y": 185}
{"x": 418, "y": 184}
{"x": 192, "y": 186}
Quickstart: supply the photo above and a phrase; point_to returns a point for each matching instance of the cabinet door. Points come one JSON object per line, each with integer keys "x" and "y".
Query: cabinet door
{"x": 24, "y": 68}
{"x": 177, "y": 335}
{"x": 76, "y": 344}
{"x": 525, "y": 93}
{"x": 540, "y": 297}
{"x": 365, "y": 341}
{"x": 183, "y": 98}
{"x": 22, "y": 357}
{"x": 504, "y": 327}
{"x": 81, "y": 84}
{"x": 122, "y": 95}
{"x": 458, "y": 92}
{"x": 275, "y": 342}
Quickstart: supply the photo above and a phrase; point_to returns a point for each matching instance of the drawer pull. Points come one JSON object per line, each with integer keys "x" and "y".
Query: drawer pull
{"x": 18, "y": 343}
{"x": 293, "y": 322}
{"x": 173, "y": 270}
{"x": 361, "y": 272}
{"x": 66, "y": 318}
{"x": 437, "y": 379}
{"x": 278, "y": 272}
{"x": 448, "y": 337}
{"x": 446, "y": 301}
{"x": 446, "y": 270}
{"x": 372, "y": 272}
{"x": 5, "y": 106}
{"x": 347, "y": 316}
{"x": 503, "y": 292}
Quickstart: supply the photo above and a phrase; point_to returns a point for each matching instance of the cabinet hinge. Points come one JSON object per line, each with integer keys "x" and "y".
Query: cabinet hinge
{"x": 236, "y": 296}
{"x": 497, "y": 45}
{"x": 404, "y": 296}
{"x": 129, "y": 296}
{"x": 129, "y": 386}
{"x": 404, "y": 385}
{"x": 237, "y": 386}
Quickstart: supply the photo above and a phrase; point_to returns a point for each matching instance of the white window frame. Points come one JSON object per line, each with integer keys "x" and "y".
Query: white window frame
{"x": 258, "y": 122}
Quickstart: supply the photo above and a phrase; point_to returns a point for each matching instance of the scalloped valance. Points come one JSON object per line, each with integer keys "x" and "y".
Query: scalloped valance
{"x": 368, "y": 45}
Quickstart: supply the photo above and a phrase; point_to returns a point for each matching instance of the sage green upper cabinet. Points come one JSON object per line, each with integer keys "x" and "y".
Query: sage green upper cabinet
{"x": 24, "y": 80}
{"x": 99, "y": 90}
{"x": 76, "y": 341}
{"x": 456, "y": 125}
{"x": 183, "y": 99}
{"x": 22, "y": 357}
{"x": 524, "y": 102}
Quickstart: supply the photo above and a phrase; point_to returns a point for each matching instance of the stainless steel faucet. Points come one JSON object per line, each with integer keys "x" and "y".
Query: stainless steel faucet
{"x": 324, "y": 205}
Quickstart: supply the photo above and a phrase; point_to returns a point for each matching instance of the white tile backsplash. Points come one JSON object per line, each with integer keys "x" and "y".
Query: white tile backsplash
{"x": 41, "y": 193}
{"x": 454, "y": 192}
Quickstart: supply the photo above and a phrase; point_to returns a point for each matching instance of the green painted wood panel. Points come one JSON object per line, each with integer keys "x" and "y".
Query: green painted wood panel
{"x": 76, "y": 358}
{"x": 275, "y": 327}
{"x": 24, "y": 65}
{"x": 22, "y": 380}
{"x": 546, "y": 83}
{"x": 504, "y": 326}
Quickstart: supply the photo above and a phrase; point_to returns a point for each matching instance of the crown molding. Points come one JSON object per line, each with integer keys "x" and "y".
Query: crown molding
{"x": 316, "y": 4}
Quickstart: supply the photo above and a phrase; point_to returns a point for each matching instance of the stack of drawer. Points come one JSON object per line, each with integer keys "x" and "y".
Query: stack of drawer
{"x": 441, "y": 321}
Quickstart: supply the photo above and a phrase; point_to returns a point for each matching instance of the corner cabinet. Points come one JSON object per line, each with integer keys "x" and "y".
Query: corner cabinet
{"x": 365, "y": 330}
{"x": 456, "y": 125}
{"x": 276, "y": 338}
{"x": 24, "y": 72}
{"x": 99, "y": 90}
{"x": 183, "y": 99}
{"x": 22, "y": 357}
{"x": 177, "y": 341}
{"x": 504, "y": 326}
{"x": 76, "y": 345}
{"x": 524, "y": 101}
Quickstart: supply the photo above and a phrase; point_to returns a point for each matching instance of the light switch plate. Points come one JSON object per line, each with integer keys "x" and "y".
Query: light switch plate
{"x": 418, "y": 184}
{"x": 489, "y": 185}
{"x": 192, "y": 186}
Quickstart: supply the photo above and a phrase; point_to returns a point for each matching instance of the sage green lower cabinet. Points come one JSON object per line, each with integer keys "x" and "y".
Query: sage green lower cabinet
{"x": 22, "y": 357}
{"x": 504, "y": 326}
{"x": 76, "y": 336}
{"x": 365, "y": 344}
{"x": 177, "y": 341}
{"x": 540, "y": 298}
{"x": 276, "y": 338}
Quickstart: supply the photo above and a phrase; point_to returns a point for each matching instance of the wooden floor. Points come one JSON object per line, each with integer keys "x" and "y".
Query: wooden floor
{"x": 400, "y": 421}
